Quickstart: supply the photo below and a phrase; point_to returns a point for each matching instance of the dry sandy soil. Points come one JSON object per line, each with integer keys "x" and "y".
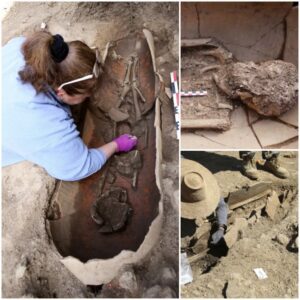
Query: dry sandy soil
{"x": 264, "y": 244}
{"x": 30, "y": 264}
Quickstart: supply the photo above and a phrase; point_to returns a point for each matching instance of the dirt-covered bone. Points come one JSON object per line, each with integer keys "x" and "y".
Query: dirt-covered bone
{"x": 126, "y": 83}
{"x": 111, "y": 210}
{"x": 128, "y": 163}
{"x": 199, "y": 64}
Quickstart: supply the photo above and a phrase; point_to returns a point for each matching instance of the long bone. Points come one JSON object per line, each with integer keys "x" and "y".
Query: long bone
{"x": 134, "y": 79}
{"x": 138, "y": 114}
{"x": 126, "y": 83}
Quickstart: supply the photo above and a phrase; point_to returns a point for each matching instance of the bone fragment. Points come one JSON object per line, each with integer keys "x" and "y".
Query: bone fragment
{"x": 206, "y": 123}
{"x": 134, "y": 179}
{"x": 138, "y": 114}
{"x": 117, "y": 115}
{"x": 126, "y": 83}
{"x": 209, "y": 68}
{"x": 195, "y": 42}
{"x": 150, "y": 41}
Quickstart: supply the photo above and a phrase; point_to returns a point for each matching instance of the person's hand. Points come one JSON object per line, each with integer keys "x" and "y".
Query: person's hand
{"x": 125, "y": 142}
{"x": 216, "y": 237}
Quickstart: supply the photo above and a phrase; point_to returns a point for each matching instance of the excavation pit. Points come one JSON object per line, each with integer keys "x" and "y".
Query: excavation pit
{"x": 89, "y": 231}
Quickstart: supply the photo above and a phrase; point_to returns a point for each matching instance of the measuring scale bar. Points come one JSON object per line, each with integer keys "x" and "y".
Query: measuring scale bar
{"x": 193, "y": 93}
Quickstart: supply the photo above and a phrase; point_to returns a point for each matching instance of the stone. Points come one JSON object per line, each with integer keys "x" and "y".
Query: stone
{"x": 158, "y": 291}
{"x": 270, "y": 88}
{"x": 232, "y": 234}
{"x": 272, "y": 205}
{"x": 280, "y": 132}
{"x": 253, "y": 219}
{"x": 168, "y": 276}
{"x": 282, "y": 239}
{"x": 168, "y": 293}
{"x": 251, "y": 31}
{"x": 20, "y": 271}
{"x": 231, "y": 237}
{"x": 240, "y": 223}
{"x": 128, "y": 281}
{"x": 296, "y": 242}
{"x": 290, "y": 53}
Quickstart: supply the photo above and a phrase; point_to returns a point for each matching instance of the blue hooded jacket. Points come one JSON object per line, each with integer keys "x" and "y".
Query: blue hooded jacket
{"x": 39, "y": 127}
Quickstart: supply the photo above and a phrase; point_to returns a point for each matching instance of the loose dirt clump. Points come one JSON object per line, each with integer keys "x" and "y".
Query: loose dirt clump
{"x": 270, "y": 244}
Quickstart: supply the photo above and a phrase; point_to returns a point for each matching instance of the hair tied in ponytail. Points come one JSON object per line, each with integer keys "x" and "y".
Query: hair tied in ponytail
{"x": 59, "y": 48}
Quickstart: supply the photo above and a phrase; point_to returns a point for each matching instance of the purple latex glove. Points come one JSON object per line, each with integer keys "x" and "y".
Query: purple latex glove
{"x": 125, "y": 142}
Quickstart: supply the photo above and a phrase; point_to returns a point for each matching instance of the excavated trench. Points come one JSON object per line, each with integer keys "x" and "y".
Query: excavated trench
{"x": 262, "y": 212}
{"x": 266, "y": 201}
{"x": 112, "y": 211}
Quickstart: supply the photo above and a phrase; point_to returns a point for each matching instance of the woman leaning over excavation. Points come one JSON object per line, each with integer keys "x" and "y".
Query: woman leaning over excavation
{"x": 41, "y": 77}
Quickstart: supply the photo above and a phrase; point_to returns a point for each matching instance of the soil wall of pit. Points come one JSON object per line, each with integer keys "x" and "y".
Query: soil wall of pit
{"x": 251, "y": 31}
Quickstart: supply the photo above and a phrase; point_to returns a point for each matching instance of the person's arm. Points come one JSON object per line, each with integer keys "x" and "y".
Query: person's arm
{"x": 109, "y": 149}
{"x": 64, "y": 155}
{"x": 221, "y": 213}
{"x": 71, "y": 160}
{"x": 123, "y": 143}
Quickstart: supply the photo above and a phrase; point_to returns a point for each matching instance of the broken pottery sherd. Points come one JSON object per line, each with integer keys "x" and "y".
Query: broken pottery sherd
{"x": 272, "y": 205}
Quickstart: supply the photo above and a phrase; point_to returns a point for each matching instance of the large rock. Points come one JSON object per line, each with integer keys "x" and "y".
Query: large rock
{"x": 291, "y": 43}
{"x": 270, "y": 88}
